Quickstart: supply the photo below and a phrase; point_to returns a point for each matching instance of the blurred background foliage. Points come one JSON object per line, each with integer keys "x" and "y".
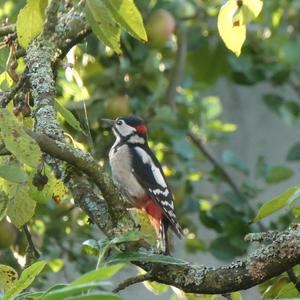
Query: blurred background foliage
{"x": 164, "y": 81}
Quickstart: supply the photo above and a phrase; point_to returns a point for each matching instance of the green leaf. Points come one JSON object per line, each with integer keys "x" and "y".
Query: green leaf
{"x": 66, "y": 292}
{"x": 17, "y": 141}
{"x": 103, "y": 24}
{"x": 236, "y": 296}
{"x": 278, "y": 173}
{"x": 231, "y": 159}
{"x": 21, "y": 207}
{"x": 144, "y": 257}
{"x": 270, "y": 207}
{"x": 213, "y": 107}
{"x": 30, "y": 21}
{"x": 97, "y": 296}
{"x": 155, "y": 287}
{"x": 3, "y": 204}
{"x": 99, "y": 274}
{"x": 233, "y": 34}
{"x": 68, "y": 116}
{"x": 128, "y": 16}
{"x": 25, "y": 280}
{"x": 294, "y": 153}
{"x": 13, "y": 173}
{"x": 8, "y": 277}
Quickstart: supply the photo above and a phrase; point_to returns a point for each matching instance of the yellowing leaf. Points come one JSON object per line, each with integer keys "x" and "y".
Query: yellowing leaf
{"x": 26, "y": 278}
{"x": 17, "y": 141}
{"x": 247, "y": 12}
{"x": 103, "y": 24}
{"x": 128, "y": 16}
{"x": 53, "y": 188}
{"x": 232, "y": 33}
{"x": 30, "y": 21}
{"x": 8, "y": 276}
{"x": 20, "y": 207}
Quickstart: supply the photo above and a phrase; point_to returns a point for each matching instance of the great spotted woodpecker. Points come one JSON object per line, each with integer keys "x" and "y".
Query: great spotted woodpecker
{"x": 139, "y": 176}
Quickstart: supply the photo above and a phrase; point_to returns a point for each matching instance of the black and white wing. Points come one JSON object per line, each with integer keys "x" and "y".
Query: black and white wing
{"x": 149, "y": 174}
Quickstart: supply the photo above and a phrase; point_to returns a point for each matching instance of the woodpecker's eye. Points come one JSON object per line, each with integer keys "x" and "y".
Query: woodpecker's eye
{"x": 120, "y": 122}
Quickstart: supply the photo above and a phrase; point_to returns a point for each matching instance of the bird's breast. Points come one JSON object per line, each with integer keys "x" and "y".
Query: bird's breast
{"x": 122, "y": 173}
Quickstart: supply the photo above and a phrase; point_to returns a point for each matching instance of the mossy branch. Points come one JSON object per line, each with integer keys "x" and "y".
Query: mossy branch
{"x": 282, "y": 253}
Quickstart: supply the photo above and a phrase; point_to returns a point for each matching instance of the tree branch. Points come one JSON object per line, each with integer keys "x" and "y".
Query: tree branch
{"x": 7, "y": 29}
{"x": 110, "y": 215}
{"x": 132, "y": 280}
{"x": 293, "y": 278}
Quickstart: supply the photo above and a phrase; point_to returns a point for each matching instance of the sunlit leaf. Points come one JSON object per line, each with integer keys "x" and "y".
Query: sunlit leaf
{"x": 8, "y": 277}
{"x": 270, "y": 207}
{"x": 236, "y": 296}
{"x": 103, "y": 24}
{"x": 249, "y": 10}
{"x": 155, "y": 287}
{"x": 213, "y": 107}
{"x": 17, "y": 141}
{"x": 26, "y": 278}
{"x": 128, "y": 16}
{"x": 56, "y": 264}
{"x": 30, "y": 21}
{"x": 233, "y": 34}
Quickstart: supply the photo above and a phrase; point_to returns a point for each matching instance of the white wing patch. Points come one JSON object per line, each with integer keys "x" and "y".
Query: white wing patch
{"x": 160, "y": 192}
{"x": 156, "y": 172}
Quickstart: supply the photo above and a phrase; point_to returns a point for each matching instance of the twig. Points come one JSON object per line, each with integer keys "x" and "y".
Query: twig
{"x": 198, "y": 142}
{"x": 132, "y": 280}
{"x": 51, "y": 18}
{"x": 8, "y": 95}
{"x": 66, "y": 48}
{"x": 225, "y": 175}
{"x": 5, "y": 30}
{"x": 293, "y": 278}
{"x": 31, "y": 245}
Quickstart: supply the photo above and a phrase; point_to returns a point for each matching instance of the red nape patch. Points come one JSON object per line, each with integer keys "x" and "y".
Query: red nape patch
{"x": 141, "y": 129}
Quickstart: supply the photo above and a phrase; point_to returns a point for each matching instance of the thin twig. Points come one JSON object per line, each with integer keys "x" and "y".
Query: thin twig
{"x": 198, "y": 142}
{"x": 132, "y": 280}
{"x": 51, "y": 18}
{"x": 225, "y": 175}
{"x": 31, "y": 245}
{"x": 293, "y": 278}
{"x": 5, "y": 30}
{"x": 8, "y": 95}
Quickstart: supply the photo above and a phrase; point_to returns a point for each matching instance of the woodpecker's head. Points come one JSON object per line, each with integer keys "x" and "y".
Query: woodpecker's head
{"x": 126, "y": 127}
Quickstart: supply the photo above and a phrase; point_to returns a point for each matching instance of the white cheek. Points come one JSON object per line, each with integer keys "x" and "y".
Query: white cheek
{"x": 125, "y": 130}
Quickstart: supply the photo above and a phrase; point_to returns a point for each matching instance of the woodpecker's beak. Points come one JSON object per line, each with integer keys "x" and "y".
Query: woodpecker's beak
{"x": 108, "y": 122}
